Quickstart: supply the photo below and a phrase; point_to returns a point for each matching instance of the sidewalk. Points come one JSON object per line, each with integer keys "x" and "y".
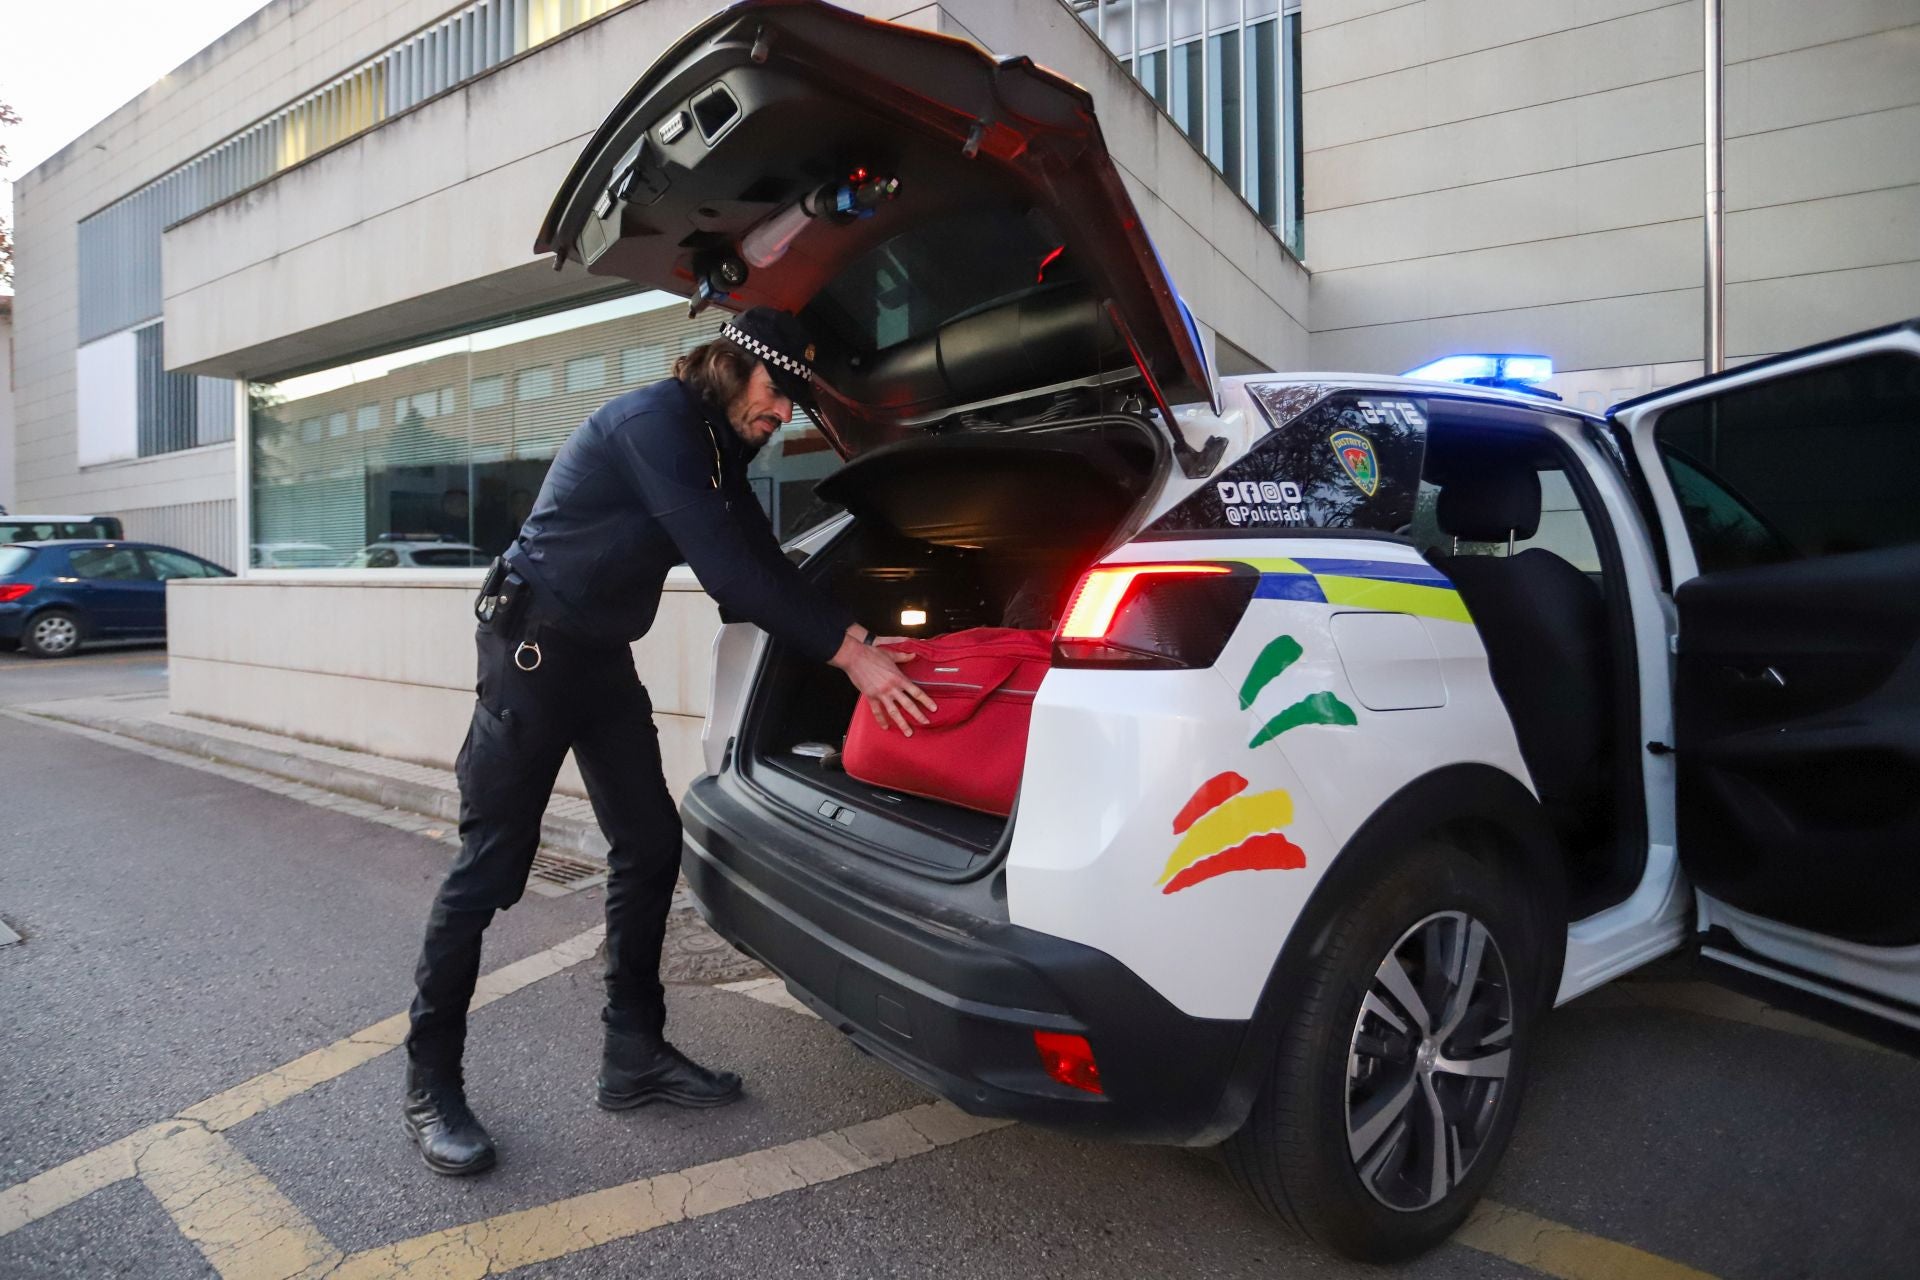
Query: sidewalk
{"x": 567, "y": 829}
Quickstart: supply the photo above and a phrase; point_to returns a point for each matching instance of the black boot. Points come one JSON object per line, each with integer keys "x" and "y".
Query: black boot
{"x": 637, "y": 1068}
{"x": 451, "y": 1140}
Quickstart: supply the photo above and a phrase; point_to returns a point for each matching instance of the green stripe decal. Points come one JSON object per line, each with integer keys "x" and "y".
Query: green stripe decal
{"x": 1275, "y": 658}
{"x": 1395, "y": 597}
{"x": 1318, "y": 708}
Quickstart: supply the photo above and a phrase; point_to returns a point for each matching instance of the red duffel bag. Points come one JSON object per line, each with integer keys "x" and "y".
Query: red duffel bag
{"x": 971, "y": 754}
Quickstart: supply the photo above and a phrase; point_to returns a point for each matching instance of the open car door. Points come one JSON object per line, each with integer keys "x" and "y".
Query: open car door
{"x": 1788, "y": 494}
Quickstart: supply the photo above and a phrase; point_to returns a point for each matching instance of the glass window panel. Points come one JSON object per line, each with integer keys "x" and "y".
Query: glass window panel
{"x": 176, "y": 564}
{"x": 1153, "y": 23}
{"x": 1120, "y": 26}
{"x": 310, "y": 430}
{"x": 643, "y": 364}
{"x": 430, "y": 486}
{"x": 489, "y": 393}
{"x": 1223, "y": 104}
{"x": 586, "y": 373}
{"x": 1222, "y": 13}
{"x": 534, "y": 384}
{"x": 1153, "y": 76}
{"x": 337, "y": 424}
{"x": 1186, "y": 18}
{"x": 1261, "y": 185}
{"x": 1261, "y": 8}
{"x": 1185, "y": 100}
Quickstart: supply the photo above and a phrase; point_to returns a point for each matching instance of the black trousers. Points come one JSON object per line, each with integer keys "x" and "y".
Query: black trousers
{"x": 587, "y": 698}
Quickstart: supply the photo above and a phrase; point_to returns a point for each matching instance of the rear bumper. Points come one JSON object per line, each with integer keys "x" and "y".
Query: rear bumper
{"x": 915, "y": 975}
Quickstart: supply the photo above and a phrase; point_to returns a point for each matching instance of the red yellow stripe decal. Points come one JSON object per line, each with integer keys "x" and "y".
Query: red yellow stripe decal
{"x": 1238, "y": 832}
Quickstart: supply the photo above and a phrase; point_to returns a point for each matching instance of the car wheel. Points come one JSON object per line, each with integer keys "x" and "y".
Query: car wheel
{"x": 53, "y": 633}
{"x": 1398, "y": 1074}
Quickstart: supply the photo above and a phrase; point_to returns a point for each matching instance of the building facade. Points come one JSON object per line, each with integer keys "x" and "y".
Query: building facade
{"x": 281, "y": 309}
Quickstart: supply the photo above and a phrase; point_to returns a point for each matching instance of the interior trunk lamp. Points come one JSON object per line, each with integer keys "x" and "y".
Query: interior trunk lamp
{"x": 855, "y": 196}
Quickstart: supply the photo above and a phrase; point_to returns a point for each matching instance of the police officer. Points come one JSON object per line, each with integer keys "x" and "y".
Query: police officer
{"x": 654, "y": 477}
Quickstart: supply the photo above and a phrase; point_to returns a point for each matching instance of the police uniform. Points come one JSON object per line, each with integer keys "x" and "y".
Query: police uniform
{"x": 652, "y": 478}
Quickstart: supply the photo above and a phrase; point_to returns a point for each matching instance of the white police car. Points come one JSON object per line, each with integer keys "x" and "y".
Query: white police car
{"x": 1386, "y": 714}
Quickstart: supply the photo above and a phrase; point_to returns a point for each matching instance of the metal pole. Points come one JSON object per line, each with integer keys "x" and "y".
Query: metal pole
{"x": 1716, "y": 283}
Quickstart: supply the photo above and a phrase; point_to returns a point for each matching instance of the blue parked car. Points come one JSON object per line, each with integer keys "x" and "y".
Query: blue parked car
{"x": 56, "y": 595}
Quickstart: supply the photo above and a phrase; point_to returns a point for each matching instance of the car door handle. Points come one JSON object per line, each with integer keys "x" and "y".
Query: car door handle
{"x": 1751, "y": 678}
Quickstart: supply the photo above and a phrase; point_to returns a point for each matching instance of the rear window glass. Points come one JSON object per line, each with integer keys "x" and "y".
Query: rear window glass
{"x": 12, "y": 559}
{"x": 45, "y": 530}
{"x": 938, "y": 272}
{"x": 1350, "y": 460}
{"x": 450, "y": 558}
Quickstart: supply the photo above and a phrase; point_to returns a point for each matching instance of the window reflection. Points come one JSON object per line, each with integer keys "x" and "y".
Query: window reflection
{"x": 450, "y": 441}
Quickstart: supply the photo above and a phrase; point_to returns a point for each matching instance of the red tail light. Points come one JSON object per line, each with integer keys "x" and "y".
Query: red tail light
{"x": 11, "y": 591}
{"x": 1153, "y": 615}
{"x": 1069, "y": 1059}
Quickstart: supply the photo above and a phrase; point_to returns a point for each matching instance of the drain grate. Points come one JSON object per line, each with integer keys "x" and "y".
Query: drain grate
{"x": 567, "y": 873}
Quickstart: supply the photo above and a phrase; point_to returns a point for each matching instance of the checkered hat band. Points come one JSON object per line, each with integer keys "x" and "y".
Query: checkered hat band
{"x": 767, "y": 353}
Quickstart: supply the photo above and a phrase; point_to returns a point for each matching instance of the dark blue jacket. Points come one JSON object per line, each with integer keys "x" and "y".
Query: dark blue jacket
{"x": 652, "y": 478}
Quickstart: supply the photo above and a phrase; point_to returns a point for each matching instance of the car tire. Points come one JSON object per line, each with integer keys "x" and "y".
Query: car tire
{"x": 1339, "y": 1143}
{"x": 52, "y": 633}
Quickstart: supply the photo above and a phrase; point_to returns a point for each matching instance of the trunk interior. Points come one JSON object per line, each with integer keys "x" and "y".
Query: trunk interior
{"x": 980, "y": 529}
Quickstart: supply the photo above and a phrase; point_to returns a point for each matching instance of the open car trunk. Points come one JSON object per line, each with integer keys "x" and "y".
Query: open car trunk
{"x": 983, "y": 529}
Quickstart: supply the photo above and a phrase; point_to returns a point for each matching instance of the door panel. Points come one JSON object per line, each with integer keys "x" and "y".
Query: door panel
{"x": 111, "y": 584}
{"x": 1798, "y": 714}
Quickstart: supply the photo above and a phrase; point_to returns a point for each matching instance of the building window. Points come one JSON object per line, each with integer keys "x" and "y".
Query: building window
{"x": 1228, "y": 73}
{"x": 533, "y": 384}
{"x": 438, "y": 488}
{"x": 586, "y": 373}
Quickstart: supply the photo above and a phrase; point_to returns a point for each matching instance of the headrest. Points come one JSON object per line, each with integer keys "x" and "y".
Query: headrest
{"x": 1490, "y": 500}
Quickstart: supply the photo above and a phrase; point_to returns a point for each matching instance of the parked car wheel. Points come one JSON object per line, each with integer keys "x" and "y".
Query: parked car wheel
{"x": 53, "y": 633}
{"x": 1399, "y": 1073}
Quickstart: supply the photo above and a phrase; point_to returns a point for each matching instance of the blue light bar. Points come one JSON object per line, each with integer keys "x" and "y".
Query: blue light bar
{"x": 1489, "y": 370}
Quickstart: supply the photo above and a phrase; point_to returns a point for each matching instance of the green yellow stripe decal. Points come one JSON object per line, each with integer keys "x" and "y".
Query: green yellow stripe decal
{"x": 1395, "y": 597}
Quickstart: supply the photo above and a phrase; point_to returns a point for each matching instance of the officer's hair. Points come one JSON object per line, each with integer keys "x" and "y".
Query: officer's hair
{"x": 717, "y": 371}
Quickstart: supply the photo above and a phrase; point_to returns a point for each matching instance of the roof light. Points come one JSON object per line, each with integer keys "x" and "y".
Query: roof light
{"x": 1486, "y": 370}
{"x": 1068, "y": 1058}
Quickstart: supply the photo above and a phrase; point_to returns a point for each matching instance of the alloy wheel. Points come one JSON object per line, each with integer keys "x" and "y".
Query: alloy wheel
{"x": 55, "y": 634}
{"x": 1428, "y": 1061}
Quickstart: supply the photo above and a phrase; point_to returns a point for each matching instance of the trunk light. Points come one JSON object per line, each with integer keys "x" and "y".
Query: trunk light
{"x": 1102, "y": 592}
{"x": 1069, "y": 1059}
{"x": 913, "y": 617}
{"x": 11, "y": 591}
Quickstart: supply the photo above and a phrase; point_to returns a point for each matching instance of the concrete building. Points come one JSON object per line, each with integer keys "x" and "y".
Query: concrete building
{"x": 283, "y": 303}
{"x": 6, "y": 404}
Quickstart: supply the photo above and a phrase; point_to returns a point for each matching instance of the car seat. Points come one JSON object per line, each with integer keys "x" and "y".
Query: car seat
{"x": 1543, "y": 623}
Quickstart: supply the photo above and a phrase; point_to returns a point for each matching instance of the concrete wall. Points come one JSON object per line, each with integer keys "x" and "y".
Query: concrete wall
{"x": 7, "y": 491}
{"x": 1509, "y": 175}
{"x": 429, "y": 219}
{"x": 387, "y": 665}
{"x": 275, "y": 55}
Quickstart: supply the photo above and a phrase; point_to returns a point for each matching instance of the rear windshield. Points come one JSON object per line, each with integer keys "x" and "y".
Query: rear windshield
{"x": 1349, "y": 460}
{"x": 938, "y": 272}
{"x": 450, "y": 558}
{"x": 12, "y": 558}
{"x": 31, "y": 530}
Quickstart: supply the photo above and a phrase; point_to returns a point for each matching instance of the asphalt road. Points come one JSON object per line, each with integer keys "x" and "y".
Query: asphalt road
{"x": 184, "y": 933}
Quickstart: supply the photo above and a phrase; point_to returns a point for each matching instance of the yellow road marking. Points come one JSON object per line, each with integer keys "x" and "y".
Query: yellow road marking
{"x": 77, "y": 1179}
{"x": 97, "y": 1170}
{"x": 564, "y": 1227}
{"x": 1562, "y": 1251}
{"x": 241, "y": 1223}
{"x": 1712, "y": 1001}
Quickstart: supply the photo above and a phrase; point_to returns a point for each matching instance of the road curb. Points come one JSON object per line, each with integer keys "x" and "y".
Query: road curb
{"x": 567, "y": 835}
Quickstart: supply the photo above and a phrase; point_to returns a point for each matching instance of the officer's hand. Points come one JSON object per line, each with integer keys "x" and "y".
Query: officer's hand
{"x": 875, "y": 672}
